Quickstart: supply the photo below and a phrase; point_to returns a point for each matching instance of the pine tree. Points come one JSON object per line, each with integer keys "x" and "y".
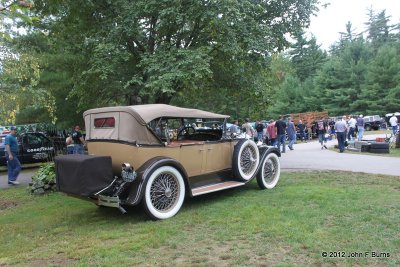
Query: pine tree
{"x": 381, "y": 92}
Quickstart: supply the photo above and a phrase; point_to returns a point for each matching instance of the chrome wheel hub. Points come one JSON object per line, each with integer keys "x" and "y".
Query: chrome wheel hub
{"x": 248, "y": 160}
{"x": 164, "y": 192}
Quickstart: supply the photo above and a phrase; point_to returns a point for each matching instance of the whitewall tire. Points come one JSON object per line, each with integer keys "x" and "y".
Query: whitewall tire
{"x": 164, "y": 193}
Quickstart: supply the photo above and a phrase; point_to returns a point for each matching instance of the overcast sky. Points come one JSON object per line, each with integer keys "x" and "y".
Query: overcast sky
{"x": 332, "y": 19}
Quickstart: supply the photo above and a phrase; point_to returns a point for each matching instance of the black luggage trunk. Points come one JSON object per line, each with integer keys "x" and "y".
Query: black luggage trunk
{"x": 83, "y": 175}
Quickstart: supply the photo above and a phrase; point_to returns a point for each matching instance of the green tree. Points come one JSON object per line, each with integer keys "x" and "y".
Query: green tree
{"x": 340, "y": 80}
{"x": 289, "y": 99}
{"x": 306, "y": 56}
{"x": 18, "y": 87}
{"x": 381, "y": 92}
{"x": 379, "y": 30}
{"x": 12, "y": 13}
{"x": 150, "y": 51}
{"x": 295, "y": 93}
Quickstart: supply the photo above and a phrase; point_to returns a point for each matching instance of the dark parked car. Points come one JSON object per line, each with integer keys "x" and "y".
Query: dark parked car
{"x": 33, "y": 148}
{"x": 374, "y": 122}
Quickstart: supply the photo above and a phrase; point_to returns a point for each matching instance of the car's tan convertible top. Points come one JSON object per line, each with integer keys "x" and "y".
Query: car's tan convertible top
{"x": 131, "y": 121}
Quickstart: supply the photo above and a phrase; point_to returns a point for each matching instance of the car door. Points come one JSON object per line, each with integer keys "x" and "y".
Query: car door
{"x": 192, "y": 157}
{"x": 36, "y": 148}
{"x": 218, "y": 156}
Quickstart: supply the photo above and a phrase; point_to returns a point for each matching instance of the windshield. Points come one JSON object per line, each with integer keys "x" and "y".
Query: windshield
{"x": 167, "y": 129}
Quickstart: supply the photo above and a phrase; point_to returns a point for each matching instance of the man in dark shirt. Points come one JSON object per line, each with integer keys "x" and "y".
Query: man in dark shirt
{"x": 260, "y": 129}
{"x": 302, "y": 131}
{"x": 360, "y": 126}
{"x": 280, "y": 126}
{"x": 78, "y": 140}
{"x": 321, "y": 127}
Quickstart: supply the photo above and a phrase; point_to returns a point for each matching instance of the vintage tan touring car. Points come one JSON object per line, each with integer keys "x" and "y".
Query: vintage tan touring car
{"x": 157, "y": 154}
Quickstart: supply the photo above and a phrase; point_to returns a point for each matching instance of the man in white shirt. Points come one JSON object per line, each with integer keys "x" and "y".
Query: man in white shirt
{"x": 352, "y": 126}
{"x": 393, "y": 123}
{"x": 249, "y": 129}
{"x": 341, "y": 128}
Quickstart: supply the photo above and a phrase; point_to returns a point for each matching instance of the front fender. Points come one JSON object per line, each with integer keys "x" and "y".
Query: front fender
{"x": 270, "y": 149}
{"x": 143, "y": 174}
{"x": 265, "y": 152}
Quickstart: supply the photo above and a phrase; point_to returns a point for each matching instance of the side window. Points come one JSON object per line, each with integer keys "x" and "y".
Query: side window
{"x": 37, "y": 141}
{"x": 159, "y": 127}
{"x": 166, "y": 128}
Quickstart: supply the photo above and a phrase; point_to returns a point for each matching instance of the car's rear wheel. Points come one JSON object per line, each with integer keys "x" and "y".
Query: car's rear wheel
{"x": 164, "y": 194}
{"x": 270, "y": 171}
{"x": 245, "y": 160}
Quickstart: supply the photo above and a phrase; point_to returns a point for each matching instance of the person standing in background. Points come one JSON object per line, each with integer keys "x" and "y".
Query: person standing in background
{"x": 352, "y": 127}
{"x": 322, "y": 127}
{"x": 70, "y": 144}
{"x": 280, "y": 126}
{"x": 11, "y": 152}
{"x": 393, "y": 122}
{"x": 341, "y": 128}
{"x": 291, "y": 131}
{"x": 302, "y": 131}
{"x": 260, "y": 129}
{"x": 331, "y": 126}
{"x": 360, "y": 127}
{"x": 271, "y": 132}
{"x": 78, "y": 140}
{"x": 249, "y": 129}
{"x": 235, "y": 127}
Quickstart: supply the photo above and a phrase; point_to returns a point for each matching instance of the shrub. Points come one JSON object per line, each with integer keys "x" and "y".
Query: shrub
{"x": 44, "y": 180}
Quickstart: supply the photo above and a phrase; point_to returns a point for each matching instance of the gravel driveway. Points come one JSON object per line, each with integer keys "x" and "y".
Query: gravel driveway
{"x": 309, "y": 156}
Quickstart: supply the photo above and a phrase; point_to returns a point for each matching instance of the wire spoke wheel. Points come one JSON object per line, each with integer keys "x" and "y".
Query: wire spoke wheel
{"x": 164, "y": 194}
{"x": 269, "y": 174}
{"x": 245, "y": 160}
{"x": 270, "y": 169}
{"x": 248, "y": 160}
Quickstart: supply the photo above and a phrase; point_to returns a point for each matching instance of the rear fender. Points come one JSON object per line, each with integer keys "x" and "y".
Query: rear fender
{"x": 144, "y": 172}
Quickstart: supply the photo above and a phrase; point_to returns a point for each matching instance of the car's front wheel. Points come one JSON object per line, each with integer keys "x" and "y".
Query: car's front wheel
{"x": 164, "y": 194}
{"x": 270, "y": 171}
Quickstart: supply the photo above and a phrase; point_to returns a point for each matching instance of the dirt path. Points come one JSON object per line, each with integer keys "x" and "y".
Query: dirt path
{"x": 25, "y": 177}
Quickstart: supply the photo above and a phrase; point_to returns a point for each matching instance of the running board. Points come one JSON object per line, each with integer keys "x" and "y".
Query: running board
{"x": 215, "y": 187}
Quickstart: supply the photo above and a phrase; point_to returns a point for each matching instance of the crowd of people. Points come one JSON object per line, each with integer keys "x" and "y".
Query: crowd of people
{"x": 275, "y": 133}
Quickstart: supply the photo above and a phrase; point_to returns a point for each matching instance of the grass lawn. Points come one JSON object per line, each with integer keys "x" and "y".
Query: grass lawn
{"x": 308, "y": 213}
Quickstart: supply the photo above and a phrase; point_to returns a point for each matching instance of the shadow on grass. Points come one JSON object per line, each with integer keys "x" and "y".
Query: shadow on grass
{"x": 136, "y": 214}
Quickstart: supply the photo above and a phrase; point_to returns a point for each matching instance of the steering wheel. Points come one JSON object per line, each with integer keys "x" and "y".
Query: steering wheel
{"x": 186, "y": 131}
